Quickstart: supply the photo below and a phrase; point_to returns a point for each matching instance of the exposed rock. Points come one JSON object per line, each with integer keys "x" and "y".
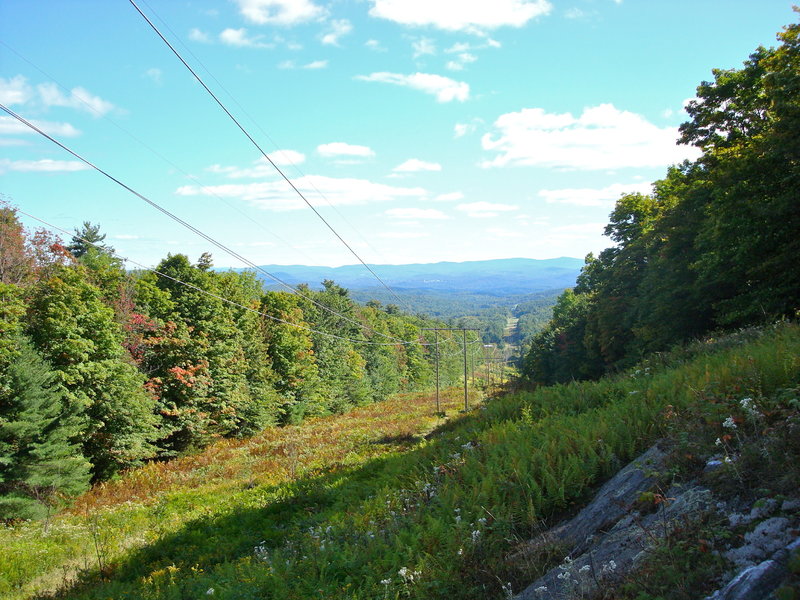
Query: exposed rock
{"x": 611, "y": 503}
{"x": 758, "y": 581}
{"x": 766, "y": 538}
{"x": 763, "y": 508}
{"x": 791, "y": 505}
{"x": 608, "y": 538}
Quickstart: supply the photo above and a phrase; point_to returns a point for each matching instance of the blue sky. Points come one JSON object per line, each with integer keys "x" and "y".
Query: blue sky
{"x": 423, "y": 130}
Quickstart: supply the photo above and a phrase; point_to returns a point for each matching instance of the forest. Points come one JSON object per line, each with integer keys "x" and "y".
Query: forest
{"x": 714, "y": 246}
{"x": 102, "y": 368}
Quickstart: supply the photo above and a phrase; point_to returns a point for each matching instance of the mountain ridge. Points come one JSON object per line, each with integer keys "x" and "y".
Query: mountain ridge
{"x": 495, "y": 276}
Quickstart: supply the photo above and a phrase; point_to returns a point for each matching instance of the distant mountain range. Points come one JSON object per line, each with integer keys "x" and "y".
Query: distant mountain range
{"x": 501, "y": 277}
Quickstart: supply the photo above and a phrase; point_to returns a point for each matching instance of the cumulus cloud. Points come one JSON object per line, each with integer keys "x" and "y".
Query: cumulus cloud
{"x": 313, "y": 65}
{"x": 240, "y": 39}
{"x": 79, "y": 98}
{"x": 374, "y": 45}
{"x": 457, "y": 15}
{"x": 415, "y": 213}
{"x": 464, "y": 58}
{"x": 344, "y": 149}
{"x": 593, "y": 197}
{"x": 279, "y": 12}
{"x": 278, "y": 196}
{"x": 482, "y": 210}
{"x": 15, "y": 90}
{"x": 444, "y": 88}
{"x": 261, "y": 168}
{"x": 197, "y": 35}
{"x": 403, "y": 235}
{"x": 503, "y": 232}
{"x": 338, "y": 28}
{"x": 449, "y": 197}
{"x": 10, "y": 126}
{"x": 413, "y": 165}
{"x": 45, "y": 165}
{"x": 422, "y": 47}
{"x": 602, "y": 137}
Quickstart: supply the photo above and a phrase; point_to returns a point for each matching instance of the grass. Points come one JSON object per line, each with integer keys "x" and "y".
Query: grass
{"x": 367, "y": 506}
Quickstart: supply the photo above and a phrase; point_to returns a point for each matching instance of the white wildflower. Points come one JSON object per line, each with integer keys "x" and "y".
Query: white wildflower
{"x": 584, "y": 569}
{"x": 541, "y": 589}
{"x": 210, "y": 592}
{"x": 729, "y": 423}
{"x": 475, "y": 535}
{"x": 386, "y": 581}
{"x": 718, "y": 442}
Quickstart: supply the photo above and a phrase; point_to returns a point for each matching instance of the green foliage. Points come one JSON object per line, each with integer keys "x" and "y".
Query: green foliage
{"x": 76, "y": 332}
{"x": 715, "y": 245}
{"x": 40, "y": 461}
{"x": 447, "y": 512}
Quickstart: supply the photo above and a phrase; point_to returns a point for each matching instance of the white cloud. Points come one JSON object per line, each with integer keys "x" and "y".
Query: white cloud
{"x": 481, "y": 210}
{"x": 15, "y": 90}
{"x": 574, "y": 13}
{"x": 240, "y": 39}
{"x": 403, "y": 235}
{"x": 345, "y": 149}
{"x": 457, "y": 15}
{"x": 79, "y": 98}
{"x": 10, "y": 126}
{"x": 280, "y": 12}
{"x": 463, "y": 59}
{"x": 602, "y": 137}
{"x": 278, "y": 196}
{"x": 199, "y": 36}
{"x": 594, "y": 197}
{"x": 374, "y": 45}
{"x": 462, "y": 129}
{"x": 126, "y": 236}
{"x": 313, "y": 65}
{"x": 444, "y": 88}
{"x": 415, "y": 213}
{"x": 449, "y": 197}
{"x": 339, "y": 28}
{"x": 413, "y": 165}
{"x": 502, "y": 232}
{"x": 422, "y": 47}
{"x": 45, "y": 165}
{"x": 261, "y": 168}
{"x": 155, "y": 75}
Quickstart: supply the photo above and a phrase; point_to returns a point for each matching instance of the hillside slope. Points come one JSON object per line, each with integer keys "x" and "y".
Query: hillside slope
{"x": 384, "y": 513}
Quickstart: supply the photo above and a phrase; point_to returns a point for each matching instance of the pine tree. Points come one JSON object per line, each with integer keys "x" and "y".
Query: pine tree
{"x": 40, "y": 459}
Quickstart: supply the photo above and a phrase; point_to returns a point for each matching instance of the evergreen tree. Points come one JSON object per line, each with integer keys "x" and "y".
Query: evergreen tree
{"x": 76, "y": 332}
{"x": 40, "y": 457}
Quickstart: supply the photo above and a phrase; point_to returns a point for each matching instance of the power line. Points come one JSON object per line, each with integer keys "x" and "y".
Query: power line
{"x": 151, "y": 149}
{"x": 199, "y": 289}
{"x": 263, "y": 153}
{"x": 193, "y": 229}
{"x": 265, "y": 134}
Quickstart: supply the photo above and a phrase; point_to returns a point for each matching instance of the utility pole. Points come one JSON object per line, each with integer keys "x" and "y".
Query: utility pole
{"x": 466, "y": 402}
{"x": 436, "y": 331}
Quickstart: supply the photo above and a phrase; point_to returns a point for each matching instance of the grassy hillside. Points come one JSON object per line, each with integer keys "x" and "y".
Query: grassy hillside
{"x": 364, "y": 506}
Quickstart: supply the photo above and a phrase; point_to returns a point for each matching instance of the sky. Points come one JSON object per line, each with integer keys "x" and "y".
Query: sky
{"x": 421, "y": 130}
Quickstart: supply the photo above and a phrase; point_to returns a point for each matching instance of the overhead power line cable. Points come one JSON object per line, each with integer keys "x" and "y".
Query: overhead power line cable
{"x": 277, "y": 146}
{"x": 190, "y": 227}
{"x": 201, "y": 290}
{"x": 155, "y": 152}
{"x": 263, "y": 153}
